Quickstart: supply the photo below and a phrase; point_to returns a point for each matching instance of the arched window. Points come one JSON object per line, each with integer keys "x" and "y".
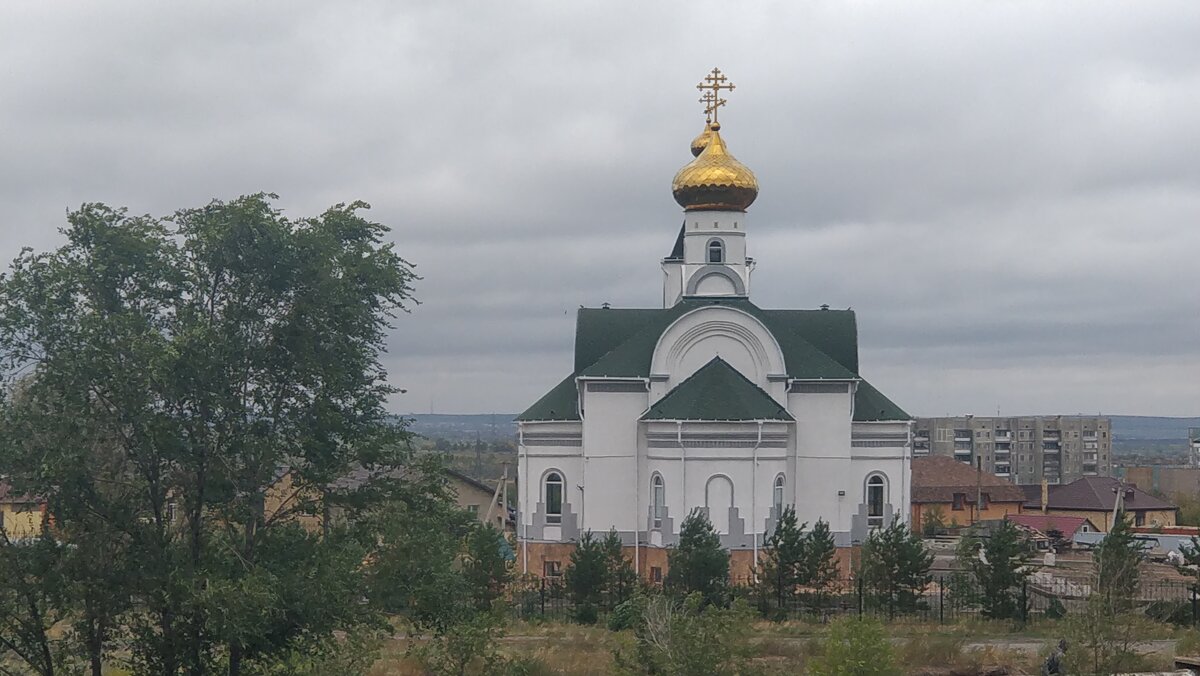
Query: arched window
{"x": 716, "y": 251}
{"x": 718, "y": 497}
{"x": 554, "y": 497}
{"x": 658, "y": 499}
{"x": 777, "y": 496}
{"x": 876, "y": 488}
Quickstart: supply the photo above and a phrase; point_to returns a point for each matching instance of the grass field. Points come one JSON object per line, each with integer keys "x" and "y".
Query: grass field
{"x": 784, "y": 648}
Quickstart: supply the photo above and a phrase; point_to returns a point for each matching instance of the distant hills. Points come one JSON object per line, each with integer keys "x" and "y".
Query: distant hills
{"x": 502, "y": 426}
{"x": 1130, "y": 427}
{"x": 464, "y": 427}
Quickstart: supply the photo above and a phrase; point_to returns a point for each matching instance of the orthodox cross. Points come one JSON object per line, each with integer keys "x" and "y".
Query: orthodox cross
{"x": 712, "y": 85}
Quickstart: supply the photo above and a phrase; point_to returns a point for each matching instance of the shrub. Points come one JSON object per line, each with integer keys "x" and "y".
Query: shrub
{"x": 1055, "y": 610}
{"x": 586, "y": 613}
{"x": 628, "y": 614}
{"x": 856, "y": 646}
{"x": 688, "y": 638}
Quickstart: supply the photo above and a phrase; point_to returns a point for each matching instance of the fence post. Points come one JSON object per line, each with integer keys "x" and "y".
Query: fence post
{"x": 860, "y": 596}
{"x": 542, "y": 594}
{"x": 1025, "y": 601}
{"x": 942, "y": 600}
{"x": 1195, "y": 616}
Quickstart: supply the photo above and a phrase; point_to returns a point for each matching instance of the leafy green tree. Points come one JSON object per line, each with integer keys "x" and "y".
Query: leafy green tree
{"x": 586, "y": 576}
{"x": 699, "y": 563}
{"x": 998, "y": 563}
{"x": 856, "y": 646}
{"x": 894, "y": 568}
{"x": 193, "y": 358}
{"x": 1117, "y": 560}
{"x": 782, "y": 569}
{"x": 31, "y": 573}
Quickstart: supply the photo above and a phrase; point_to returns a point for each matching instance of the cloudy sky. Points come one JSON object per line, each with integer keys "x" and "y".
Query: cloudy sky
{"x": 1007, "y": 193}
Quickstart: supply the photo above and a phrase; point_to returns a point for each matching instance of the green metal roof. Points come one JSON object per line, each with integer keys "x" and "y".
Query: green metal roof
{"x": 560, "y": 403}
{"x": 717, "y": 391}
{"x": 870, "y": 405}
{"x": 619, "y": 343}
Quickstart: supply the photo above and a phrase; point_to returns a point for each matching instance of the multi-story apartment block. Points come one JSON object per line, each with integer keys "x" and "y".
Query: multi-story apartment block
{"x": 1059, "y": 449}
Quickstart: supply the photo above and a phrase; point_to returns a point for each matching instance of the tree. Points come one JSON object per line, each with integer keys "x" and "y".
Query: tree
{"x": 819, "y": 567}
{"x": 699, "y": 563}
{"x": 781, "y": 571}
{"x": 486, "y": 566}
{"x": 620, "y": 578}
{"x": 895, "y": 567}
{"x": 586, "y": 577}
{"x": 998, "y": 563}
{"x": 415, "y": 570}
{"x": 192, "y": 359}
{"x": 1117, "y": 561}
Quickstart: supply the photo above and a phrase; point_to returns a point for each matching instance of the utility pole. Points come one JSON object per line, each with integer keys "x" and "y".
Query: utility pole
{"x": 979, "y": 487}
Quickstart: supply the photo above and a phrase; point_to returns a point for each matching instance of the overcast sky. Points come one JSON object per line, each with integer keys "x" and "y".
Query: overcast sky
{"x": 1007, "y": 193}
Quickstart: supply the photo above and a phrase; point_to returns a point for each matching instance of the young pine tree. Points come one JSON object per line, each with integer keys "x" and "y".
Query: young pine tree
{"x": 1117, "y": 560}
{"x": 586, "y": 576}
{"x": 1001, "y": 570}
{"x": 819, "y": 568}
{"x": 699, "y": 563}
{"x": 895, "y": 567}
{"x": 782, "y": 563}
{"x": 621, "y": 580}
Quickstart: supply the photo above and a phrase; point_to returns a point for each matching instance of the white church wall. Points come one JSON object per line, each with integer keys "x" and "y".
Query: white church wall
{"x": 824, "y": 480}
{"x": 610, "y": 433}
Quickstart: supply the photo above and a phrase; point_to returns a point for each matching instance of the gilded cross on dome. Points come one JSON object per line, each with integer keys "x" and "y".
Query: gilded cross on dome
{"x": 712, "y": 85}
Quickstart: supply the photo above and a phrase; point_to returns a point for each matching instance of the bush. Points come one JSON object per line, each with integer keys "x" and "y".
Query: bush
{"x": 627, "y": 615}
{"x": 1171, "y": 612}
{"x": 586, "y": 613}
{"x": 687, "y": 638}
{"x": 856, "y": 646}
{"x": 1055, "y": 610}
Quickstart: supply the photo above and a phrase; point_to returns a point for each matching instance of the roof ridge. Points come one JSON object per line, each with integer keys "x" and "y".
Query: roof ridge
{"x": 683, "y": 388}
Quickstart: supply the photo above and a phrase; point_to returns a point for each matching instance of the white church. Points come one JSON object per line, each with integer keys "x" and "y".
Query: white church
{"x": 709, "y": 402}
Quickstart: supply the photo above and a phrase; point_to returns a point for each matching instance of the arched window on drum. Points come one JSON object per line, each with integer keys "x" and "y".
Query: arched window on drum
{"x": 876, "y": 497}
{"x": 553, "y": 497}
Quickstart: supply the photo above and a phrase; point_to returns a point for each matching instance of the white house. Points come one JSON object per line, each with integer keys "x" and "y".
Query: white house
{"x": 709, "y": 402}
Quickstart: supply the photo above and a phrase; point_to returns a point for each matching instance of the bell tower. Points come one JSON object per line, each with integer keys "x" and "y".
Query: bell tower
{"x": 714, "y": 189}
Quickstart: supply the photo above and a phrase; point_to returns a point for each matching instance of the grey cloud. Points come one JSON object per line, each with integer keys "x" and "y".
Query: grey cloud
{"x": 1006, "y": 193}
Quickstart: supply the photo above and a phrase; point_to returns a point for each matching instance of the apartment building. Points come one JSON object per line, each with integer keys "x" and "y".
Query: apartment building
{"x": 1026, "y": 450}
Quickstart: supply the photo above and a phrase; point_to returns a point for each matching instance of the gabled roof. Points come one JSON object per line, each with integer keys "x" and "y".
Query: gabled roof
{"x": 936, "y": 478}
{"x": 1094, "y": 494}
{"x": 619, "y": 343}
{"x": 1045, "y": 523}
{"x": 717, "y": 391}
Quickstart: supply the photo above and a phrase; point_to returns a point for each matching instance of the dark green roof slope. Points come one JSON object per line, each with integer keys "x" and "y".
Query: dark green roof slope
{"x": 717, "y": 392}
{"x": 560, "y": 403}
{"x": 618, "y": 343}
{"x": 871, "y": 405}
{"x": 815, "y": 343}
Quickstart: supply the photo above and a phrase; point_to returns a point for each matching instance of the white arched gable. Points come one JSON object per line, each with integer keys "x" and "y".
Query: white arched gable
{"x": 717, "y": 331}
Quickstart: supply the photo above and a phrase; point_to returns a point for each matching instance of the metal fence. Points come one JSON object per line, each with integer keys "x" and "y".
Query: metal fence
{"x": 947, "y": 598}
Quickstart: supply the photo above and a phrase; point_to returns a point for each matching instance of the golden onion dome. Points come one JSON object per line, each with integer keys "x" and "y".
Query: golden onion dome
{"x": 714, "y": 181}
{"x": 701, "y": 142}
